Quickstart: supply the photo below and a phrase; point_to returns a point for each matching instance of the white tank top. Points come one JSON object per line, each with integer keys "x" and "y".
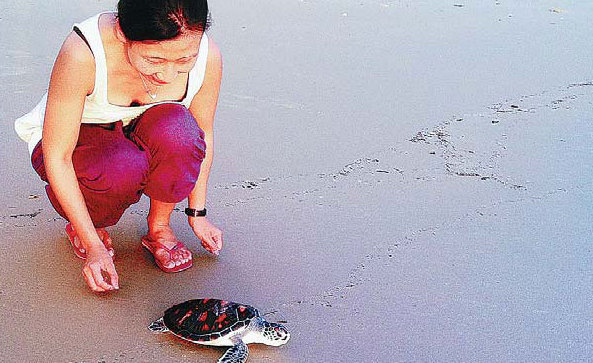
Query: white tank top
{"x": 97, "y": 108}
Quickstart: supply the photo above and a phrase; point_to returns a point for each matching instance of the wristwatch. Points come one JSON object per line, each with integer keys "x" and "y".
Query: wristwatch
{"x": 195, "y": 212}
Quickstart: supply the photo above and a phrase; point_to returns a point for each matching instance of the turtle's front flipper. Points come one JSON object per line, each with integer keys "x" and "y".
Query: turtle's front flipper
{"x": 158, "y": 326}
{"x": 235, "y": 354}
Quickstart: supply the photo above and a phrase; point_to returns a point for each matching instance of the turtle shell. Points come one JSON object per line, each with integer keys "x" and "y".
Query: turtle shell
{"x": 202, "y": 320}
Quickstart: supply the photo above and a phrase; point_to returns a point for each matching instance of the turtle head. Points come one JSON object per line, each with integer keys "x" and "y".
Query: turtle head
{"x": 275, "y": 334}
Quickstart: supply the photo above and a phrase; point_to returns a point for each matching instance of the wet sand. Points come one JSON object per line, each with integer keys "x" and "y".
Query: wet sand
{"x": 399, "y": 181}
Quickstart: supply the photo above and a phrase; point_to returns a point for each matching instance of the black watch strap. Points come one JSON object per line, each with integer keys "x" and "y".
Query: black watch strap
{"x": 195, "y": 212}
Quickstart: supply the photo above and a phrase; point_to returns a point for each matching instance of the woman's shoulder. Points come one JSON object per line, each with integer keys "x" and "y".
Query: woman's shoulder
{"x": 214, "y": 54}
{"x": 213, "y": 70}
{"x": 76, "y": 57}
{"x": 76, "y": 49}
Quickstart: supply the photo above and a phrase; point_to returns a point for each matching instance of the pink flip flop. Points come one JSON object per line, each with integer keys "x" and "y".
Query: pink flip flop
{"x": 153, "y": 246}
{"x": 79, "y": 251}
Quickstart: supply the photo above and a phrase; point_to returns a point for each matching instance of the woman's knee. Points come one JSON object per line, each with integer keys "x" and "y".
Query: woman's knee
{"x": 118, "y": 172}
{"x": 111, "y": 178}
{"x": 172, "y": 129}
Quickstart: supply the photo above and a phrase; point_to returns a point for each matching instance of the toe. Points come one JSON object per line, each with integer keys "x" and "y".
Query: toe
{"x": 169, "y": 252}
{"x": 167, "y": 262}
{"x": 78, "y": 244}
{"x": 163, "y": 257}
{"x": 183, "y": 257}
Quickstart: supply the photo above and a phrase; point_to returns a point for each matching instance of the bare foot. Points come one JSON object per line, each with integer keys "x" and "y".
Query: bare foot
{"x": 170, "y": 256}
{"x": 103, "y": 235}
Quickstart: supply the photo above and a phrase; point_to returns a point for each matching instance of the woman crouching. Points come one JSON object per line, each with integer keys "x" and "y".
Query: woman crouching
{"x": 129, "y": 111}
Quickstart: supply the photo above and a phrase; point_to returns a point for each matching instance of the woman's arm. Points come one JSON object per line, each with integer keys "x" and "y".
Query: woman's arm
{"x": 203, "y": 108}
{"x": 71, "y": 80}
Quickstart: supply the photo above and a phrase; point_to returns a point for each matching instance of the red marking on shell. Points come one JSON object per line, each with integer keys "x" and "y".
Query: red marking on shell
{"x": 219, "y": 326}
{"x": 205, "y": 300}
{"x": 203, "y": 316}
{"x": 205, "y": 327}
{"x": 242, "y": 309}
{"x": 221, "y": 318}
{"x": 187, "y": 315}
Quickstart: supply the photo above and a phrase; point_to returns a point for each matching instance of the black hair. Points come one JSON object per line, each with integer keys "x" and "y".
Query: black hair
{"x": 146, "y": 20}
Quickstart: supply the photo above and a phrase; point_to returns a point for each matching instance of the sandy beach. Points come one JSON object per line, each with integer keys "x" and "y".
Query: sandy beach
{"x": 398, "y": 181}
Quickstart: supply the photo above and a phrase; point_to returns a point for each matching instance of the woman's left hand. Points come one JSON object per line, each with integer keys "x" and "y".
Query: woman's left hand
{"x": 210, "y": 236}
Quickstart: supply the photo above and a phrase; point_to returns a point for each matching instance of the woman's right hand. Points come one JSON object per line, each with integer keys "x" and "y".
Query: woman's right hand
{"x": 99, "y": 270}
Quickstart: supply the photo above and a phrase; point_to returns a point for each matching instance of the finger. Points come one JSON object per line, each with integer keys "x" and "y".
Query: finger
{"x": 217, "y": 237}
{"x": 206, "y": 247}
{"x": 207, "y": 242}
{"x": 96, "y": 272}
{"x": 113, "y": 275}
{"x": 211, "y": 244}
{"x": 88, "y": 277}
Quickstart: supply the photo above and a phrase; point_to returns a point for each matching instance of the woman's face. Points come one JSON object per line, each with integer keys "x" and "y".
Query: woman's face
{"x": 160, "y": 62}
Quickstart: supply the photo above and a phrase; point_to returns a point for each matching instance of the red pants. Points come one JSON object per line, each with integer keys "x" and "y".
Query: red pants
{"x": 158, "y": 154}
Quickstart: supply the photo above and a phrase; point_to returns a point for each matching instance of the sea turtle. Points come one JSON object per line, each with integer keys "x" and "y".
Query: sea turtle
{"x": 221, "y": 323}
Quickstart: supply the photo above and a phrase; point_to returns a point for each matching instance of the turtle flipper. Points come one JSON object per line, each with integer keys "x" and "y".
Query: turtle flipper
{"x": 235, "y": 354}
{"x": 158, "y": 326}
